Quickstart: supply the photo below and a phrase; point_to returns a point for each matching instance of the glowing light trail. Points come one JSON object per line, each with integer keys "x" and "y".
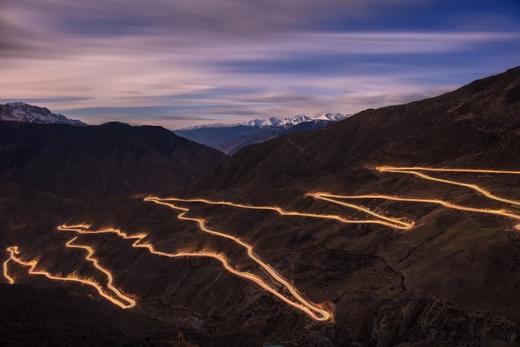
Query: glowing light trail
{"x": 416, "y": 172}
{"x": 312, "y": 310}
{"x": 498, "y": 212}
{"x": 389, "y": 222}
{"x": 438, "y": 169}
{"x": 110, "y": 279}
{"x": 394, "y": 222}
{"x": 121, "y": 300}
{"x": 5, "y": 268}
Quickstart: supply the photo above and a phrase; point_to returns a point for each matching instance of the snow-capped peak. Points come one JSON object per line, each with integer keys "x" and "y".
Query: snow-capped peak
{"x": 331, "y": 116}
{"x": 262, "y": 123}
{"x": 25, "y": 113}
{"x": 294, "y": 120}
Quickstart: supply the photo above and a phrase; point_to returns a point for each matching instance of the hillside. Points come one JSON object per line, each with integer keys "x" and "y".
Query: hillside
{"x": 53, "y": 320}
{"x": 112, "y": 158}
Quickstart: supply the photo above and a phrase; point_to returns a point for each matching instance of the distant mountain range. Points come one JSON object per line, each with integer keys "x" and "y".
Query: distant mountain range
{"x": 294, "y": 120}
{"x": 22, "y": 112}
{"x": 226, "y": 138}
{"x": 231, "y": 138}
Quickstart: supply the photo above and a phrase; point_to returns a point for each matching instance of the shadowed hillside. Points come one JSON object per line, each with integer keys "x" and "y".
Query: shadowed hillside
{"x": 112, "y": 158}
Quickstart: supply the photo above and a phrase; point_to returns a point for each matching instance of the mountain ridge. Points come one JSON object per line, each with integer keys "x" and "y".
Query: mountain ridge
{"x": 25, "y": 113}
{"x": 231, "y": 138}
{"x": 111, "y": 158}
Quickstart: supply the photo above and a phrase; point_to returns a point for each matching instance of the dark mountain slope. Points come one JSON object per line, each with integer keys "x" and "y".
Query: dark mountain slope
{"x": 481, "y": 119}
{"x": 113, "y": 158}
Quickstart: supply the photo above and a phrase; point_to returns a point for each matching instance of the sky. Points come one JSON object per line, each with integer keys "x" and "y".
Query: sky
{"x": 182, "y": 63}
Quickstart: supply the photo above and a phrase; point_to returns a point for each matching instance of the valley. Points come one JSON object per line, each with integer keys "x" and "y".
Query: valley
{"x": 396, "y": 226}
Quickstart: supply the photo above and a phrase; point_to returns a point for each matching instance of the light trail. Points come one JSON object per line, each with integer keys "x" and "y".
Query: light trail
{"x": 312, "y": 310}
{"x": 416, "y": 172}
{"x": 438, "y": 169}
{"x": 394, "y": 222}
{"x": 5, "y": 268}
{"x": 389, "y": 222}
{"x": 122, "y": 300}
{"x": 498, "y": 212}
{"x": 110, "y": 279}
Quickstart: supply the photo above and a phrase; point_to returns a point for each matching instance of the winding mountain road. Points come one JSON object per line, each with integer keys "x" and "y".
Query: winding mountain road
{"x": 284, "y": 291}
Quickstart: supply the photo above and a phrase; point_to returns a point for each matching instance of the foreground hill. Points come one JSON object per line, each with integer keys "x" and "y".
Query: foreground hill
{"x": 112, "y": 158}
{"x": 43, "y": 317}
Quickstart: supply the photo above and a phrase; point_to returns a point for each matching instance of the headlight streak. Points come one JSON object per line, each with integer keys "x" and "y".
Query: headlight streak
{"x": 397, "y": 223}
{"x": 312, "y": 310}
{"x": 389, "y": 222}
{"x": 416, "y": 171}
{"x": 118, "y": 299}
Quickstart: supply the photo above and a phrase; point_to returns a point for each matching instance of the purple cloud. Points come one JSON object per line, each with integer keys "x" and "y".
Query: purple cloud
{"x": 174, "y": 60}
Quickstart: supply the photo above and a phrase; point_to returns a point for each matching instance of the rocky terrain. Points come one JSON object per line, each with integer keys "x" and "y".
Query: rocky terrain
{"x": 451, "y": 280}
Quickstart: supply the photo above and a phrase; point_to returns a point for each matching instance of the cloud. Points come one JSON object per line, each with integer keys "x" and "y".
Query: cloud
{"x": 223, "y": 17}
{"x": 57, "y": 99}
{"x": 172, "y": 62}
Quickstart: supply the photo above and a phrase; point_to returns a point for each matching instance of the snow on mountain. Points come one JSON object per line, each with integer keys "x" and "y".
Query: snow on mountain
{"x": 333, "y": 117}
{"x": 231, "y": 138}
{"x": 25, "y": 113}
{"x": 262, "y": 123}
{"x": 294, "y": 120}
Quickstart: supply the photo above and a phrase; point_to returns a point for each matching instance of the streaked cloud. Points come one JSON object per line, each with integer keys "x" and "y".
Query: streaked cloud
{"x": 180, "y": 63}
